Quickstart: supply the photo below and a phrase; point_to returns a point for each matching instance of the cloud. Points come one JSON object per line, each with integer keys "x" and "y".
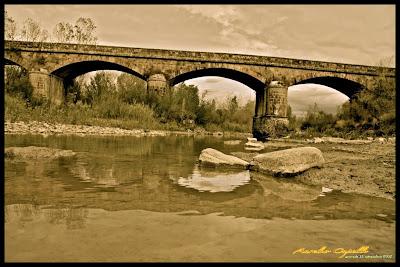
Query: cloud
{"x": 302, "y": 97}
{"x": 212, "y": 80}
{"x": 359, "y": 34}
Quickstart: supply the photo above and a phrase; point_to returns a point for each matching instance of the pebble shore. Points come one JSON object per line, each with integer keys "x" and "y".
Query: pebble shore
{"x": 44, "y": 128}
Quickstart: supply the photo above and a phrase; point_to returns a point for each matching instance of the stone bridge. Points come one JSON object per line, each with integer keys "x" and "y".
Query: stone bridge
{"x": 52, "y": 66}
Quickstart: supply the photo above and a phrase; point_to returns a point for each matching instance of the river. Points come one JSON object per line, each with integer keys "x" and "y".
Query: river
{"x": 146, "y": 199}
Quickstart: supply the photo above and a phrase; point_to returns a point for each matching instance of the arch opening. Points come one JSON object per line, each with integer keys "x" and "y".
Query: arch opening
{"x": 222, "y": 102}
{"x": 246, "y": 79}
{"x": 71, "y": 71}
{"x": 9, "y": 62}
{"x": 345, "y": 86}
{"x": 308, "y": 96}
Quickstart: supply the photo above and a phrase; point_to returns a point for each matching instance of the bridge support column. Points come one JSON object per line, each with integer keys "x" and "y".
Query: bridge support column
{"x": 273, "y": 123}
{"x": 261, "y": 103}
{"x": 47, "y": 87}
{"x": 157, "y": 84}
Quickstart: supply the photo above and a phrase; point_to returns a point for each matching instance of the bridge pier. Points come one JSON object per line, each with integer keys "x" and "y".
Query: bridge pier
{"x": 157, "y": 84}
{"x": 273, "y": 122}
{"x": 47, "y": 87}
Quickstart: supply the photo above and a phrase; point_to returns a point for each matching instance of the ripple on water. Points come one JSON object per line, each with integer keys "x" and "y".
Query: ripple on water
{"x": 209, "y": 180}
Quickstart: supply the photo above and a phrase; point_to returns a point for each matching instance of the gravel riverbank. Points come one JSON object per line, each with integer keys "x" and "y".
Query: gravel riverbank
{"x": 44, "y": 128}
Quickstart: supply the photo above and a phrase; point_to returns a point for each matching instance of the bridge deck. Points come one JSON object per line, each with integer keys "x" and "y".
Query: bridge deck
{"x": 196, "y": 56}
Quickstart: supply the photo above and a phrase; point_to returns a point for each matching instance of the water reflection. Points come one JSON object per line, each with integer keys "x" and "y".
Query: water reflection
{"x": 71, "y": 217}
{"x": 208, "y": 180}
{"x": 160, "y": 174}
{"x": 135, "y": 191}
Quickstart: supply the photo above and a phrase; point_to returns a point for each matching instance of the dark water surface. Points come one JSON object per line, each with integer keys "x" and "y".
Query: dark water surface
{"x": 146, "y": 199}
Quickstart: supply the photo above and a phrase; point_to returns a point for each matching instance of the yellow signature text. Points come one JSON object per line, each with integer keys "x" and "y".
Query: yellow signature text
{"x": 325, "y": 250}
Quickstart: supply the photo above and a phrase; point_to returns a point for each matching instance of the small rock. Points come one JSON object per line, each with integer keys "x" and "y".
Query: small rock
{"x": 381, "y": 140}
{"x": 318, "y": 140}
{"x": 251, "y": 139}
{"x": 254, "y": 146}
{"x": 232, "y": 142}
{"x": 326, "y": 190}
{"x": 381, "y": 215}
{"x": 217, "y": 134}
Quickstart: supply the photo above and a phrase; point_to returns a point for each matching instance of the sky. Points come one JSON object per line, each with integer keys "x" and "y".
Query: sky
{"x": 356, "y": 34}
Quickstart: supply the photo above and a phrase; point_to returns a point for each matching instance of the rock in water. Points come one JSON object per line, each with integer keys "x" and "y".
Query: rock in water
{"x": 33, "y": 152}
{"x": 212, "y": 157}
{"x": 288, "y": 162}
{"x": 232, "y": 142}
{"x": 247, "y": 156}
{"x": 254, "y": 146}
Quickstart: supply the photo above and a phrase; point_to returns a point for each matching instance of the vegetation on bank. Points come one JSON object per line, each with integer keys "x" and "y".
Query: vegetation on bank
{"x": 122, "y": 101}
{"x": 371, "y": 113}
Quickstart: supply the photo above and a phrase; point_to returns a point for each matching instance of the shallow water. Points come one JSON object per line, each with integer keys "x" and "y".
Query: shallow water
{"x": 146, "y": 199}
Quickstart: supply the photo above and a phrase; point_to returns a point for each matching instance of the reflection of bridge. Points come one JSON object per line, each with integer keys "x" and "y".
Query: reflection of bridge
{"x": 52, "y": 66}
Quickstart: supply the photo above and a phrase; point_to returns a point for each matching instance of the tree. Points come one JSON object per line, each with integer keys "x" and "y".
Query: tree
{"x": 10, "y": 26}
{"x": 16, "y": 82}
{"x": 100, "y": 86}
{"x": 131, "y": 89}
{"x": 84, "y": 31}
{"x": 64, "y": 32}
{"x": 233, "y": 105}
{"x": 32, "y": 32}
{"x": 374, "y": 108}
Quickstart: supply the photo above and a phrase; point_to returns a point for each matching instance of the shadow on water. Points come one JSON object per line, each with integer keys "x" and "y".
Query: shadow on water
{"x": 161, "y": 174}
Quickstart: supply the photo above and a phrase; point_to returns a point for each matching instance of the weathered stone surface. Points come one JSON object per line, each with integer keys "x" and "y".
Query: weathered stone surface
{"x": 212, "y": 157}
{"x": 33, "y": 152}
{"x": 245, "y": 156}
{"x": 288, "y": 162}
{"x": 270, "y": 127}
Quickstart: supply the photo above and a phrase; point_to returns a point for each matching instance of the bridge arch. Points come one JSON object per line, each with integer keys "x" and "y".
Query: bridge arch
{"x": 75, "y": 69}
{"x": 345, "y": 86}
{"x": 235, "y": 75}
{"x": 10, "y": 61}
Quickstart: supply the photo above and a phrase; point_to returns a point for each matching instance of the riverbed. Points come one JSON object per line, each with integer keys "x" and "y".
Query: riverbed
{"x": 145, "y": 198}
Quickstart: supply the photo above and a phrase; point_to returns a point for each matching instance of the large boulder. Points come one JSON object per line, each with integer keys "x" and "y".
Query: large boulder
{"x": 212, "y": 157}
{"x": 33, "y": 152}
{"x": 247, "y": 156}
{"x": 288, "y": 162}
